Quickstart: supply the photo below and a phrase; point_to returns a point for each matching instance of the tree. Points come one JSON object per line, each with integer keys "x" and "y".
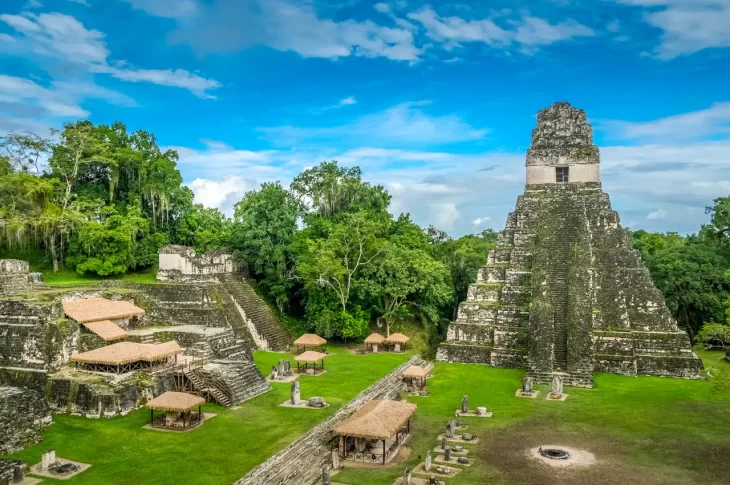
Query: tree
{"x": 406, "y": 279}
{"x": 265, "y": 223}
{"x": 714, "y": 335}
{"x": 26, "y": 151}
{"x": 328, "y": 189}
{"x": 336, "y": 261}
{"x": 203, "y": 228}
{"x": 105, "y": 244}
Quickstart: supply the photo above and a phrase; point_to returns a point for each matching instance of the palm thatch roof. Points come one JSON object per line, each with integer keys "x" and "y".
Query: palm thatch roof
{"x": 310, "y": 339}
{"x": 175, "y": 401}
{"x": 397, "y": 338}
{"x": 106, "y": 329}
{"x": 126, "y": 352}
{"x": 415, "y": 371}
{"x": 96, "y": 309}
{"x": 377, "y": 420}
{"x": 375, "y": 338}
{"x": 310, "y": 356}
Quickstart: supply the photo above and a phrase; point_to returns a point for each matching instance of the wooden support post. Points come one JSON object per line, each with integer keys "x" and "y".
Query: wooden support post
{"x": 383, "y": 452}
{"x": 152, "y": 416}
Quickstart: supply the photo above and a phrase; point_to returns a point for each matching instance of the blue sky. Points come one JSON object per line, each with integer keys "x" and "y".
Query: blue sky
{"x": 435, "y": 100}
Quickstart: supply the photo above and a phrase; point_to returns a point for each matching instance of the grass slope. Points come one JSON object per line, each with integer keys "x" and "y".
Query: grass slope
{"x": 647, "y": 430}
{"x": 225, "y": 448}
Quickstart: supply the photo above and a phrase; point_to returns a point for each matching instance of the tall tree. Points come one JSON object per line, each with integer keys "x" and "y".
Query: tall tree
{"x": 265, "y": 223}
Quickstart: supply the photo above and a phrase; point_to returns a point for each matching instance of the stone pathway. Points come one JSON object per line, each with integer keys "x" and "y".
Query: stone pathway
{"x": 301, "y": 462}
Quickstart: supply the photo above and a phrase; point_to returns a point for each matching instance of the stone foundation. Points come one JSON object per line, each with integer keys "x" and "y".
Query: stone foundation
{"x": 23, "y": 415}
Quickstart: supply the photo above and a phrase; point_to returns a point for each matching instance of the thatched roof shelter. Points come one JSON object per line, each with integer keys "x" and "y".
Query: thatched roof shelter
{"x": 415, "y": 371}
{"x": 397, "y": 338}
{"x": 377, "y": 420}
{"x": 126, "y": 352}
{"x": 310, "y": 339}
{"x": 96, "y": 309}
{"x": 175, "y": 401}
{"x": 310, "y": 356}
{"x": 106, "y": 329}
{"x": 375, "y": 338}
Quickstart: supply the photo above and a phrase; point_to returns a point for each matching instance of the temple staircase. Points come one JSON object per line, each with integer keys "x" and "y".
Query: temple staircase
{"x": 265, "y": 328}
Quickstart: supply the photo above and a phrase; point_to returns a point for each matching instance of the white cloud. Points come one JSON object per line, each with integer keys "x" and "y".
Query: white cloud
{"x": 179, "y": 78}
{"x": 63, "y": 37}
{"x": 711, "y": 121}
{"x": 479, "y": 221}
{"x": 403, "y": 123}
{"x": 222, "y": 194}
{"x": 85, "y": 3}
{"x": 167, "y": 8}
{"x": 33, "y": 4}
{"x": 657, "y": 214}
{"x": 382, "y": 7}
{"x": 14, "y": 89}
{"x": 526, "y": 32}
{"x": 687, "y": 26}
{"x": 348, "y": 101}
{"x": 230, "y": 25}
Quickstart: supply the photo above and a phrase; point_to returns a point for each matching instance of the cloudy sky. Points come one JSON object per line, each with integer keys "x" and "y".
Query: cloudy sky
{"x": 435, "y": 100}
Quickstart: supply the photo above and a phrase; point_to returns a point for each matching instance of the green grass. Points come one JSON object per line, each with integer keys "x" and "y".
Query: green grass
{"x": 647, "y": 430}
{"x": 225, "y": 448}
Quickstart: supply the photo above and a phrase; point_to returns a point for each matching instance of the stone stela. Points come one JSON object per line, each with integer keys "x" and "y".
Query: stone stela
{"x": 564, "y": 292}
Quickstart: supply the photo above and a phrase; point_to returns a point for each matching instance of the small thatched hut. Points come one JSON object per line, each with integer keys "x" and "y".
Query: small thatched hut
{"x": 128, "y": 356}
{"x": 310, "y": 340}
{"x": 310, "y": 359}
{"x": 373, "y": 340}
{"x": 415, "y": 375}
{"x": 375, "y": 432}
{"x": 398, "y": 341}
{"x": 177, "y": 408}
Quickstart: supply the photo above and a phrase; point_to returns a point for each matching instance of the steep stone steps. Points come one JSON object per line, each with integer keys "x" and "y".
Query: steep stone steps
{"x": 238, "y": 380}
{"x": 301, "y": 462}
{"x": 269, "y": 331}
{"x": 200, "y": 382}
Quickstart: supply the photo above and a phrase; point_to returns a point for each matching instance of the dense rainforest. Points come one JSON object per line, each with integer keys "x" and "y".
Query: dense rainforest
{"x": 325, "y": 251}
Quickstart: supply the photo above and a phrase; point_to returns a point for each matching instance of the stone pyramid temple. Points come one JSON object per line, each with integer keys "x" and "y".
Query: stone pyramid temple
{"x": 564, "y": 293}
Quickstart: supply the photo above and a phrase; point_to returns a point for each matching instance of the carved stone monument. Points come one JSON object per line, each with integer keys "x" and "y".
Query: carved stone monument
{"x": 443, "y": 443}
{"x": 447, "y": 453}
{"x": 432, "y": 480}
{"x": 456, "y": 419}
{"x": 527, "y": 385}
{"x": 295, "y": 393}
{"x": 481, "y": 411}
{"x": 274, "y": 373}
{"x": 427, "y": 466}
{"x": 335, "y": 459}
{"x": 465, "y": 404}
{"x": 449, "y": 429}
{"x": 557, "y": 386}
{"x": 326, "y": 475}
{"x": 407, "y": 476}
{"x": 569, "y": 280}
{"x": 48, "y": 459}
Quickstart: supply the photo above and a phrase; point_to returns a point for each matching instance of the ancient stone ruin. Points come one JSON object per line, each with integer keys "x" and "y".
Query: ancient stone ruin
{"x": 564, "y": 292}
{"x": 180, "y": 263}
{"x": 15, "y": 276}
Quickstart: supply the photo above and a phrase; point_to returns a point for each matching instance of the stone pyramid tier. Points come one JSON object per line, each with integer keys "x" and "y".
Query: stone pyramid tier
{"x": 564, "y": 293}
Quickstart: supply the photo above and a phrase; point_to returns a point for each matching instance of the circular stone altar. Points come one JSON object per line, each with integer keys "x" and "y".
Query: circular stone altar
{"x": 562, "y": 456}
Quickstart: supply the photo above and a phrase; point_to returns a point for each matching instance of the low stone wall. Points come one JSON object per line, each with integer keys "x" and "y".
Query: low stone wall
{"x": 92, "y": 396}
{"x": 23, "y": 415}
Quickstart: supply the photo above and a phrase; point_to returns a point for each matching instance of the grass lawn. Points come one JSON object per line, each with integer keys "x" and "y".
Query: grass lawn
{"x": 642, "y": 430}
{"x": 225, "y": 448}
